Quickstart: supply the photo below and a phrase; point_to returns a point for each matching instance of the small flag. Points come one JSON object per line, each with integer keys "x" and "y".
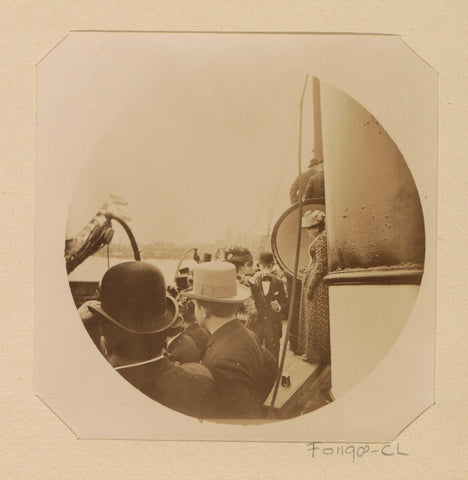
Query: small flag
{"x": 117, "y": 200}
{"x": 115, "y": 206}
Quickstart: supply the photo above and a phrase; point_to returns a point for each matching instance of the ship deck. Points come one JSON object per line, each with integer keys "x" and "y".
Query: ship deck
{"x": 304, "y": 386}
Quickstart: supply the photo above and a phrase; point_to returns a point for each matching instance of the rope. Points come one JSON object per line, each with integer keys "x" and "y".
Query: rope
{"x": 271, "y": 206}
{"x": 296, "y": 262}
{"x": 136, "y": 252}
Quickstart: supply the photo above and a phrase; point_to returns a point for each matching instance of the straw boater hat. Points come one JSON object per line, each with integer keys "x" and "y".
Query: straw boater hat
{"x": 216, "y": 282}
{"x": 133, "y": 296}
{"x": 312, "y": 219}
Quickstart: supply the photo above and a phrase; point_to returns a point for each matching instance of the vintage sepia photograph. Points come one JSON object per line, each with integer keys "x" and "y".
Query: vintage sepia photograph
{"x": 244, "y": 240}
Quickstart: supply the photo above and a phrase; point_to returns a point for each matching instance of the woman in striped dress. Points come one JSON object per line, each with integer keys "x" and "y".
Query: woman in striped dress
{"x": 314, "y": 315}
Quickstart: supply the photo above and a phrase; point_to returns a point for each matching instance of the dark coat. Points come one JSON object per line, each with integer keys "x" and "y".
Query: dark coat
{"x": 309, "y": 184}
{"x": 315, "y": 187}
{"x": 183, "y": 350}
{"x": 199, "y": 335}
{"x": 188, "y": 388}
{"x": 268, "y": 323}
{"x": 244, "y": 371}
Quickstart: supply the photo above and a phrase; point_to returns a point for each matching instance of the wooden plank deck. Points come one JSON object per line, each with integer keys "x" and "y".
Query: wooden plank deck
{"x": 306, "y": 382}
{"x": 298, "y": 371}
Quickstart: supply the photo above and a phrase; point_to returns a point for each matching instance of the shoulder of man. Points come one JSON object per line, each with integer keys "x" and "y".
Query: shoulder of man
{"x": 227, "y": 370}
{"x": 197, "y": 330}
{"x": 186, "y": 339}
{"x": 199, "y": 335}
{"x": 195, "y": 370}
{"x": 181, "y": 341}
{"x": 193, "y": 391}
{"x": 232, "y": 346}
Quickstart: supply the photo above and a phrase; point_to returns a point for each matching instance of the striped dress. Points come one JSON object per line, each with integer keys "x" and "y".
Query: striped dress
{"x": 314, "y": 314}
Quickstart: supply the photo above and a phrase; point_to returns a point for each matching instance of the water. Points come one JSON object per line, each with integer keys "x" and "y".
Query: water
{"x": 93, "y": 268}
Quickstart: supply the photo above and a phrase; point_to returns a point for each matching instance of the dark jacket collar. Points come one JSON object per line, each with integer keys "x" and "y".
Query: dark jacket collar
{"x": 227, "y": 327}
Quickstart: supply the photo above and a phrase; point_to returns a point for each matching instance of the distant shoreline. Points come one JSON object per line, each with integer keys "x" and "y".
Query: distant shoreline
{"x": 93, "y": 268}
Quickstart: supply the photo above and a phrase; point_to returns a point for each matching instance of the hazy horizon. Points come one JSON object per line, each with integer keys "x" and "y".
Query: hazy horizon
{"x": 198, "y": 136}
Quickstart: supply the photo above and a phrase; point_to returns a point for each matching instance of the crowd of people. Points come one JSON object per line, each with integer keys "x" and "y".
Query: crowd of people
{"x": 209, "y": 346}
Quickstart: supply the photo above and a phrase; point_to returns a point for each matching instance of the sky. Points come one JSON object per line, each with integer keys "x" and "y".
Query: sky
{"x": 199, "y": 135}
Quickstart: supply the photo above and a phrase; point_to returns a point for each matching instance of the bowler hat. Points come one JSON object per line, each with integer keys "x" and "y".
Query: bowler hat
{"x": 216, "y": 282}
{"x": 312, "y": 219}
{"x": 133, "y": 296}
{"x": 266, "y": 258}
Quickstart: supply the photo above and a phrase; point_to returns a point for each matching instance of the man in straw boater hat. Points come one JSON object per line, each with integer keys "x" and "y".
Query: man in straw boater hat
{"x": 244, "y": 371}
{"x": 134, "y": 315}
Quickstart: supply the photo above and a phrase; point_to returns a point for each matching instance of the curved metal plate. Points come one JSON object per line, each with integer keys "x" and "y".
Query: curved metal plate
{"x": 284, "y": 236}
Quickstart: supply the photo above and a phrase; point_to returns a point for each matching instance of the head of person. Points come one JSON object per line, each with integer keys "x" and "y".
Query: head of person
{"x": 241, "y": 258}
{"x": 314, "y": 162}
{"x": 134, "y": 313}
{"x": 216, "y": 293}
{"x": 187, "y": 310}
{"x": 314, "y": 223}
{"x": 266, "y": 262}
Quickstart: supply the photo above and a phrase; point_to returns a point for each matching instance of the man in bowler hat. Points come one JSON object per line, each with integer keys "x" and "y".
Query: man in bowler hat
{"x": 271, "y": 304}
{"x": 133, "y": 317}
{"x": 309, "y": 184}
{"x": 244, "y": 371}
